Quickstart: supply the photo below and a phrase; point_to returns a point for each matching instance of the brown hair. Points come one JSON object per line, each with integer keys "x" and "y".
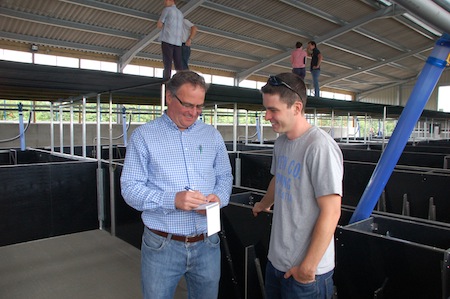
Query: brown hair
{"x": 288, "y": 96}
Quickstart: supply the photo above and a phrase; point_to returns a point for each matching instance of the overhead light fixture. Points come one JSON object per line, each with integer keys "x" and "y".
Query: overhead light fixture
{"x": 34, "y": 48}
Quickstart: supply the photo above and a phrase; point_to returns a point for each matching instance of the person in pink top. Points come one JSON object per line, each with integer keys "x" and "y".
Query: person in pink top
{"x": 298, "y": 60}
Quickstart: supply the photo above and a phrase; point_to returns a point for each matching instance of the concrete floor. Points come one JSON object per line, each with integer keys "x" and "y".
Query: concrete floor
{"x": 90, "y": 264}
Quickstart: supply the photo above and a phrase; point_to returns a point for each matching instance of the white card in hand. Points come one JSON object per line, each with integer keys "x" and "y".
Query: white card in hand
{"x": 212, "y": 216}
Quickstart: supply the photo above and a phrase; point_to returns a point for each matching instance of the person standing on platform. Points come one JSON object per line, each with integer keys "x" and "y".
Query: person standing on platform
{"x": 189, "y": 32}
{"x": 298, "y": 60}
{"x": 172, "y": 165}
{"x": 305, "y": 192}
{"x": 171, "y": 25}
{"x": 316, "y": 60}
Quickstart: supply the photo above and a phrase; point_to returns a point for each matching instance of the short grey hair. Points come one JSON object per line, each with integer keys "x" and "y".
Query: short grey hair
{"x": 183, "y": 77}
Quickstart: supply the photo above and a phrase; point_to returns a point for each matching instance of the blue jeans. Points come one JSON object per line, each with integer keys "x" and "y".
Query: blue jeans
{"x": 185, "y": 55}
{"x": 277, "y": 287}
{"x": 301, "y": 71}
{"x": 315, "y": 75}
{"x": 165, "y": 261}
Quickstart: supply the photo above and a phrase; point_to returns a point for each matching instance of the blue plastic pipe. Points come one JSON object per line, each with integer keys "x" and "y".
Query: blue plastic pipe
{"x": 258, "y": 127}
{"x": 425, "y": 84}
{"x": 21, "y": 128}
{"x": 124, "y": 126}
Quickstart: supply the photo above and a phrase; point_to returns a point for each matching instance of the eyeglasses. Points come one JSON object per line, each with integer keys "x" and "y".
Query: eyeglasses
{"x": 275, "y": 81}
{"x": 188, "y": 105}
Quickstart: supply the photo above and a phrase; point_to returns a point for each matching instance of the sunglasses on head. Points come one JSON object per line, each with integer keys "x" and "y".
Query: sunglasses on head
{"x": 276, "y": 81}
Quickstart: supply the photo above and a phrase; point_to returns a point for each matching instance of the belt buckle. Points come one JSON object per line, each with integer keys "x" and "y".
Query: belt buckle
{"x": 186, "y": 239}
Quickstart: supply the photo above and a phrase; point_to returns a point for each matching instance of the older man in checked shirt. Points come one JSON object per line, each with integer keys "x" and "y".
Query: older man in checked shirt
{"x": 165, "y": 156}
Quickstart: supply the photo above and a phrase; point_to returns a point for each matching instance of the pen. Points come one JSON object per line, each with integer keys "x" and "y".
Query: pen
{"x": 187, "y": 188}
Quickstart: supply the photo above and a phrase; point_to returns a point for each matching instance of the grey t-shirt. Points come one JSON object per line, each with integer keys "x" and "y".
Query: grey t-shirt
{"x": 305, "y": 169}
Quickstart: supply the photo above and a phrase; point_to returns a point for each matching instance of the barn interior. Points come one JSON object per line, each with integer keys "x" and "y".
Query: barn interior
{"x": 67, "y": 232}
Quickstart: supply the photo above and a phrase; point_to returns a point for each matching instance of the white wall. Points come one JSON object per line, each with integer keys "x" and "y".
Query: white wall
{"x": 399, "y": 95}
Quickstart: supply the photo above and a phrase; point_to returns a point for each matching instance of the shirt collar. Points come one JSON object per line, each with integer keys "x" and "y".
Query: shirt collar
{"x": 171, "y": 123}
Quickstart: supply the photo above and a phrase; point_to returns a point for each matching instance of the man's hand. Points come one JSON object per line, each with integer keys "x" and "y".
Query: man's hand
{"x": 209, "y": 198}
{"x": 189, "y": 200}
{"x": 301, "y": 274}
{"x": 258, "y": 207}
{"x": 212, "y": 198}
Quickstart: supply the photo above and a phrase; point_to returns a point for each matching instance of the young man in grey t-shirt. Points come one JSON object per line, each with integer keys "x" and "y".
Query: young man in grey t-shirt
{"x": 306, "y": 193}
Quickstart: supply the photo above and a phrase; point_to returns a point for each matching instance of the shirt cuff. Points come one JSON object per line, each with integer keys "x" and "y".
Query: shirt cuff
{"x": 168, "y": 201}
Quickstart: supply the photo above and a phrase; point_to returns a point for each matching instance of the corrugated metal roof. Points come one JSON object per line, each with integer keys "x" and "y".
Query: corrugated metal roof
{"x": 362, "y": 50}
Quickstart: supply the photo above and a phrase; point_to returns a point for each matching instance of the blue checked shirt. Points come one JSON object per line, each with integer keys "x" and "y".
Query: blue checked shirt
{"x": 172, "y": 31}
{"x": 161, "y": 160}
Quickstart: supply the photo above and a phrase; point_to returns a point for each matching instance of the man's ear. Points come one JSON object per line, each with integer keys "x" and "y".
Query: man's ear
{"x": 168, "y": 96}
{"x": 298, "y": 106}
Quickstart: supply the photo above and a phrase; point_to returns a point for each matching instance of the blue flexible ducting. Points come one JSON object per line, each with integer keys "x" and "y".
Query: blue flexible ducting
{"x": 425, "y": 85}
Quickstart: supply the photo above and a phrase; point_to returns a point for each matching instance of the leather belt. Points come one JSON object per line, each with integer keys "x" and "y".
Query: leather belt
{"x": 185, "y": 239}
